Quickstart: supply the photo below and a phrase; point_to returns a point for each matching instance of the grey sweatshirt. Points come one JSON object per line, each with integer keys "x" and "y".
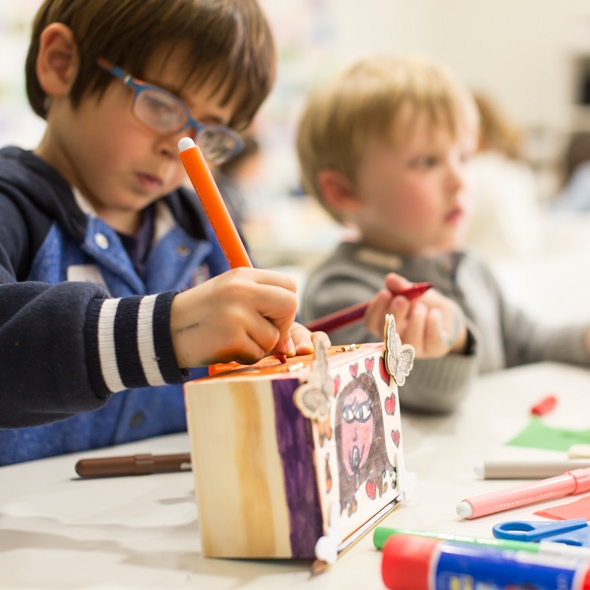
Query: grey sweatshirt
{"x": 500, "y": 335}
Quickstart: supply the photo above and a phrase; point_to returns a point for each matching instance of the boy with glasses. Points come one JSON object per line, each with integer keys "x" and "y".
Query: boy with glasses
{"x": 104, "y": 255}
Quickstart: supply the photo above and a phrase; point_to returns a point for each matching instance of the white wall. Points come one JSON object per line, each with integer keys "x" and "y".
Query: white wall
{"x": 518, "y": 50}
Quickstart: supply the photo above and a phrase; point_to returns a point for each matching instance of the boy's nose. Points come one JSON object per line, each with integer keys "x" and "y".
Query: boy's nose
{"x": 167, "y": 145}
{"x": 457, "y": 177}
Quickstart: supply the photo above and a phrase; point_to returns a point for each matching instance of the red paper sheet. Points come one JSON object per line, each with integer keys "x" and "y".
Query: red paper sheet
{"x": 578, "y": 509}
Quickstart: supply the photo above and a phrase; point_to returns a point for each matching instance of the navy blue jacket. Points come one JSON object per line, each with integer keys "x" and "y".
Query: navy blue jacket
{"x": 77, "y": 370}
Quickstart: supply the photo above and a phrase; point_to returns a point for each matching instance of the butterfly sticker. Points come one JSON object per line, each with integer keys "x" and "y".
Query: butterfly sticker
{"x": 314, "y": 398}
{"x": 399, "y": 358}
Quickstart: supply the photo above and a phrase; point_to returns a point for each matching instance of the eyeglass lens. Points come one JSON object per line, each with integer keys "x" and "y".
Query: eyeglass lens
{"x": 164, "y": 114}
{"x": 159, "y": 111}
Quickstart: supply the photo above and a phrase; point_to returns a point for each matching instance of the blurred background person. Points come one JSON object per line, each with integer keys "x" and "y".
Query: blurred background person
{"x": 574, "y": 195}
{"x": 234, "y": 176}
{"x": 506, "y": 220}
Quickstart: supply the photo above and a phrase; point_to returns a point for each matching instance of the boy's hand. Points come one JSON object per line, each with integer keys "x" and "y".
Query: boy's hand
{"x": 240, "y": 315}
{"x": 305, "y": 341}
{"x": 433, "y": 324}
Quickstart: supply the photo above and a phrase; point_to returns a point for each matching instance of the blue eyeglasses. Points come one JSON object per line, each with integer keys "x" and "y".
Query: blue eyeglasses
{"x": 165, "y": 113}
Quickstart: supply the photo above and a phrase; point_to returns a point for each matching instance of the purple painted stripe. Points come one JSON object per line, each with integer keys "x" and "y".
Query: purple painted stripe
{"x": 296, "y": 449}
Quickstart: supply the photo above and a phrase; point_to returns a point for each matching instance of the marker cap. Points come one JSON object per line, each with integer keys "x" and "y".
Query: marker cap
{"x": 582, "y": 479}
{"x": 185, "y": 143}
{"x": 422, "y": 563}
{"x": 544, "y": 406}
{"x": 579, "y": 451}
{"x": 464, "y": 509}
{"x": 406, "y": 562}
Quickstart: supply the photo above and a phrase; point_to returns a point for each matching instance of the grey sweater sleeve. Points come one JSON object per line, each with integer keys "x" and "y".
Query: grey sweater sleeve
{"x": 439, "y": 385}
{"x": 527, "y": 341}
{"x": 523, "y": 339}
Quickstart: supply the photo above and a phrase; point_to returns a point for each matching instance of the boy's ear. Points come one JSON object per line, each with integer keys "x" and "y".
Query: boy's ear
{"x": 58, "y": 60}
{"x": 338, "y": 191}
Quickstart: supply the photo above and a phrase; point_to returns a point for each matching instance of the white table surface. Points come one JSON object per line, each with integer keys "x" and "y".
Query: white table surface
{"x": 58, "y": 531}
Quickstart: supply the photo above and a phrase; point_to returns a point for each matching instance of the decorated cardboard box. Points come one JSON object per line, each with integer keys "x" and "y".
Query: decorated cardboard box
{"x": 298, "y": 459}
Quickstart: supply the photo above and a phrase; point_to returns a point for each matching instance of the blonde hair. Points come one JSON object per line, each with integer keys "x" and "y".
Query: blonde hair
{"x": 497, "y": 131}
{"x": 364, "y": 101}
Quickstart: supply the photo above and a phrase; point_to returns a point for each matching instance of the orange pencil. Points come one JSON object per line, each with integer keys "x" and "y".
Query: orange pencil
{"x": 202, "y": 180}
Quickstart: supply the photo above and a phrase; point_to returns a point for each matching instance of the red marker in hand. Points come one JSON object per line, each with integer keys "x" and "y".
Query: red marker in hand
{"x": 355, "y": 313}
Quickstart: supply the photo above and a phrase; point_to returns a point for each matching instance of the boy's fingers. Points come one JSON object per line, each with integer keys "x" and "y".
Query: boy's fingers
{"x": 270, "y": 314}
{"x": 275, "y": 279}
{"x": 379, "y": 306}
{"x": 306, "y": 341}
{"x": 285, "y": 347}
{"x": 283, "y": 325}
{"x": 395, "y": 282}
{"x": 277, "y": 304}
{"x": 433, "y": 334}
{"x": 415, "y": 330}
{"x": 400, "y": 308}
{"x": 317, "y": 336}
{"x": 302, "y": 339}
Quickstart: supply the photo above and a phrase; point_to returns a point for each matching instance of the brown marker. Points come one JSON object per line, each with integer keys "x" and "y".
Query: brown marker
{"x": 144, "y": 464}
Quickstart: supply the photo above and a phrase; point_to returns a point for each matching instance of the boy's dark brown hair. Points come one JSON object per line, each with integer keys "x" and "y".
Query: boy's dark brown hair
{"x": 226, "y": 41}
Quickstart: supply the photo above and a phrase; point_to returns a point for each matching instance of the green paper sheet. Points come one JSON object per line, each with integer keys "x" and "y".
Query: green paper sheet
{"x": 540, "y": 436}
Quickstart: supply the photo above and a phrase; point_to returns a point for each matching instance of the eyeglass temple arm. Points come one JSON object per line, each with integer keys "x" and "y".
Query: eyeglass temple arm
{"x": 115, "y": 70}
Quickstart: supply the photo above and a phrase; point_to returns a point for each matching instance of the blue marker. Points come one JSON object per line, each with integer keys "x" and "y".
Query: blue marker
{"x": 424, "y": 563}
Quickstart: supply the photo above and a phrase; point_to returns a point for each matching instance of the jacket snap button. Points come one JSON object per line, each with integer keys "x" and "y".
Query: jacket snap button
{"x": 136, "y": 419}
{"x": 183, "y": 250}
{"x": 101, "y": 241}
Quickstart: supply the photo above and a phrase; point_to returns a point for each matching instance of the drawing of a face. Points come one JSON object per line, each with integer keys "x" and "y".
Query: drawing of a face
{"x": 356, "y": 430}
{"x": 360, "y": 441}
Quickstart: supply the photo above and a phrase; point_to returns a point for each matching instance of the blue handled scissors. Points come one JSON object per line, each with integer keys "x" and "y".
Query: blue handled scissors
{"x": 571, "y": 532}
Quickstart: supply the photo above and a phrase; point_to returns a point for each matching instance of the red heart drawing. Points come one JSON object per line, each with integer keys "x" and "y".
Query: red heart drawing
{"x": 369, "y": 364}
{"x": 383, "y": 371}
{"x": 371, "y": 487}
{"x": 336, "y": 385}
{"x": 390, "y": 404}
{"x": 395, "y": 435}
{"x": 354, "y": 369}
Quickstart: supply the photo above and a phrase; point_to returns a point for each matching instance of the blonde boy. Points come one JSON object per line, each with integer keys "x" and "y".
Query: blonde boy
{"x": 385, "y": 146}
